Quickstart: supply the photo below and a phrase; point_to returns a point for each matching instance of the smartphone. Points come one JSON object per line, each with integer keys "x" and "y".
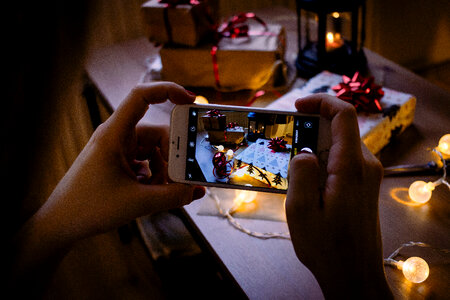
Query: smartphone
{"x": 241, "y": 147}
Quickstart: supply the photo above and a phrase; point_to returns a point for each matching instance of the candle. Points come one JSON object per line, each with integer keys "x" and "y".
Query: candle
{"x": 333, "y": 41}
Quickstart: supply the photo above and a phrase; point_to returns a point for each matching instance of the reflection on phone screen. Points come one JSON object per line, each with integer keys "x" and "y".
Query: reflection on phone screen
{"x": 246, "y": 148}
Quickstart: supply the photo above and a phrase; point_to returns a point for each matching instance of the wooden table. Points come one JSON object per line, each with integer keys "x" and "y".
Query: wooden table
{"x": 268, "y": 269}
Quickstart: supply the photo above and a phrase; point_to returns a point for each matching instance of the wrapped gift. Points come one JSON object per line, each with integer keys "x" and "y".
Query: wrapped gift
{"x": 233, "y": 135}
{"x": 396, "y": 109}
{"x": 214, "y": 120}
{"x": 181, "y": 22}
{"x": 234, "y": 63}
{"x": 262, "y": 163}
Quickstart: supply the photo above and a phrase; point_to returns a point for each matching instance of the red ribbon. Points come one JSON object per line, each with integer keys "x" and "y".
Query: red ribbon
{"x": 234, "y": 28}
{"x": 361, "y": 92}
{"x": 213, "y": 113}
{"x": 232, "y": 125}
{"x": 278, "y": 144}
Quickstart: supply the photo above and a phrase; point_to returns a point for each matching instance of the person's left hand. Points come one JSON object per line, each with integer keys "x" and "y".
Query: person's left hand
{"x": 110, "y": 183}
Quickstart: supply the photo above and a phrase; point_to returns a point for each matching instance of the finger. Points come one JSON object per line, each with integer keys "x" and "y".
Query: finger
{"x": 345, "y": 150}
{"x": 303, "y": 192}
{"x": 142, "y": 171}
{"x": 159, "y": 168}
{"x": 133, "y": 108}
{"x": 155, "y": 198}
{"x": 151, "y": 136}
{"x": 375, "y": 166}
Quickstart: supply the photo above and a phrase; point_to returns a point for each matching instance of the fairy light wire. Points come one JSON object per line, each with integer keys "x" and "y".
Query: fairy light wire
{"x": 392, "y": 262}
{"x": 443, "y": 179}
{"x": 229, "y": 215}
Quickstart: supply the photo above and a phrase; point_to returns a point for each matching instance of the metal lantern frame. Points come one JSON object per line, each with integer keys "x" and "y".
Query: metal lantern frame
{"x": 313, "y": 56}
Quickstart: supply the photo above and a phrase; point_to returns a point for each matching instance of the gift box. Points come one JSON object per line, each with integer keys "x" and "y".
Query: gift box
{"x": 214, "y": 120}
{"x": 233, "y": 135}
{"x": 260, "y": 162}
{"x": 180, "y": 22}
{"x": 376, "y": 129}
{"x": 249, "y": 62}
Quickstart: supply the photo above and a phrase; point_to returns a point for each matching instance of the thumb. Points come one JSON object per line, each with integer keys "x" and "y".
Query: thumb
{"x": 162, "y": 197}
{"x": 303, "y": 192}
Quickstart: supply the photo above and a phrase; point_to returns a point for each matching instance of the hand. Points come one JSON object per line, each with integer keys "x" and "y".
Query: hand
{"x": 108, "y": 185}
{"x": 335, "y": 231}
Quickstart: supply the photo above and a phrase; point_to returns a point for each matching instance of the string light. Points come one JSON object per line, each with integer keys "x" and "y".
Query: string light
{"x": 444, "y": 144}
{"x": 228, "y": 214}
{"x": 415, "y": 269}
{"x": 420, "y": 191}
{"x": 229, "y": 154}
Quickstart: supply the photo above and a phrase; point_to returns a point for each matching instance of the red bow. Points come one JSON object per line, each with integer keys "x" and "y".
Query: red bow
{"x": 362, "y": 92}
{"x": 235, "y": 27}
{"x": 232, "y": 29}
{"x": 213, "y": 113}
{"x": 278, "y": 144}
{"x": 232, "y": 125}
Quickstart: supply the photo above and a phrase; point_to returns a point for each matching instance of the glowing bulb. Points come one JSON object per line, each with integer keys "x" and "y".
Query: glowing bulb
{"x": 415, "y": 269}
{"x": 335, "y": 15}
{"x": 229, "y": 154}
{"x": 201, "y": 100}
{"x": 244, "y": 197}
{"x": 420, "y": 191}
{"x": 220, "y": 148}
{"x": 444, "y": 144}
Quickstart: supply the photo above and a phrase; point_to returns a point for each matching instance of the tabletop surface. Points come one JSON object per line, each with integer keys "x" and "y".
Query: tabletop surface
{"x": 269, "y": 268}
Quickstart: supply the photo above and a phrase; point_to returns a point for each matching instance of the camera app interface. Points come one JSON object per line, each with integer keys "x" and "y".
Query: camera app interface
{"x": 246, "y": 148}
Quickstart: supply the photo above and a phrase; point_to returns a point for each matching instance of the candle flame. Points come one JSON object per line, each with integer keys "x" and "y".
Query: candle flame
{"x": 330, "y": 37}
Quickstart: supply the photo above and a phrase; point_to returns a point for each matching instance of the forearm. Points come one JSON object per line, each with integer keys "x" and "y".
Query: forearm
{"x": 36, "y": 252}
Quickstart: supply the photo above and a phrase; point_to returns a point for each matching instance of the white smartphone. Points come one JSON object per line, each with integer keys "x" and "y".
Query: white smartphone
{"x": 242, "y": 147}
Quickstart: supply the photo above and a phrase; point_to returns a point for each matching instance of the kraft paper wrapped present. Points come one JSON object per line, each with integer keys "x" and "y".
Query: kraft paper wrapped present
{"x": 239, "y": 63}
{"x": 186, "y": 23}
{"x": 228, "y": 136}
{"x": 376, "y": 129}
{"x": 214, "y": 120}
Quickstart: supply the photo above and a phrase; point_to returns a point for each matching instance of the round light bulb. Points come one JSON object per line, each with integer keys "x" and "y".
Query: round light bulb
{"x": 230, "y": 154}
{"x": 420, "y": 191}
{"x": 220, "y": 148}
{"x": 444, "y": 144}
{"x": 415, "y": 269}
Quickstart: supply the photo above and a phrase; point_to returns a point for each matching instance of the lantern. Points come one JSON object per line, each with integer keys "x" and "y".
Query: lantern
{"x": 256, "y": 126}
{"x": 330, "y": 36}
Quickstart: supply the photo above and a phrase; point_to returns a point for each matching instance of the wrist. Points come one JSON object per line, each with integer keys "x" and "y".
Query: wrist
{"x": 354, "y": 282}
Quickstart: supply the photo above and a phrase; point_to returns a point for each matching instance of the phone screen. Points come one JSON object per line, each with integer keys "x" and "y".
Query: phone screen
{"x": 246, "y": 148}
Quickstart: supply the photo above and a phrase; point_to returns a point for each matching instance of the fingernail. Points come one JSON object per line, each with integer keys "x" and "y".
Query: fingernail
{"x": 191, "y": 93}
{"x": 198, "y": 193}
{"x": 306, "y": 150}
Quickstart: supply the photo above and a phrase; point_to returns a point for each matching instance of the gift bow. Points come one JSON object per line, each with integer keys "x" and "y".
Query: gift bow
{"x": 277, "y": 144}
{"x": 213, "y": 113}
{"x": 232, "y": 125}
{"x": 179, "y": 2}
{"x": 236, "y": 26}
{"x": 362, "y": 92}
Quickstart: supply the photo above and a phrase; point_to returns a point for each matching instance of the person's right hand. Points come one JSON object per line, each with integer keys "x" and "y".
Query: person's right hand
{"x": 335, "y": 231}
